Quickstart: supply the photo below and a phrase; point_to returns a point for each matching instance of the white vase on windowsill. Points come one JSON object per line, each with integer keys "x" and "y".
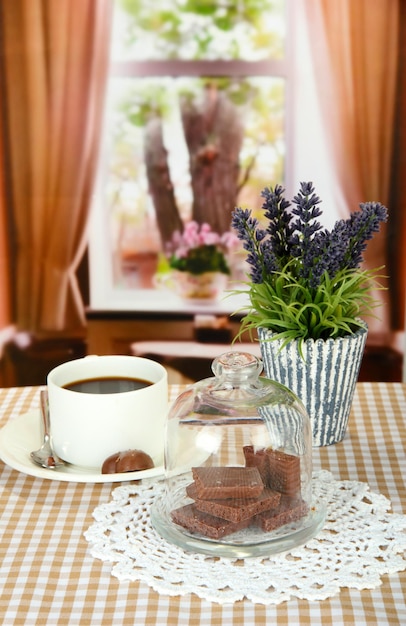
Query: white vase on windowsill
{"x": 208, "y": 286}
{"x": 204, "y": 288}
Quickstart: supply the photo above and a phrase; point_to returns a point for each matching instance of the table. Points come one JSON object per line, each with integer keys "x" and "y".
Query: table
{"x": 191, "y": 349}
{"x": 193, "y": 359}
{"x": 48, "y": 576}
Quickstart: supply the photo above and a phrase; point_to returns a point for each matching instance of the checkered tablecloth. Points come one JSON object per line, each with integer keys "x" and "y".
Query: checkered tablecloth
{"x": 47, "y": 575}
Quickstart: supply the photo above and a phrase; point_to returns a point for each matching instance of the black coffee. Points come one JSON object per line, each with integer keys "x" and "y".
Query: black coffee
{"x": 109, "y": 384}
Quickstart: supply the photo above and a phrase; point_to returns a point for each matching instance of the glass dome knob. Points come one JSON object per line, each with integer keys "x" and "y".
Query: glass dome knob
{"x": 237, "y": 367}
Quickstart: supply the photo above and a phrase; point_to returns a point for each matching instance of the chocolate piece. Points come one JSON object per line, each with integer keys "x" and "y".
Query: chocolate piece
{"x": 279, "y": 471}
{"x": 238, "y": 509}
{"x": 109, "y": 465}
{"x": 288, "y": 510}
{"x": 127, "y": 461}
{"x": 198, "y": 522}
{"x": 257, "y": 458}
{"x": 283, "y": 472}
{"x": 221, "y": 483}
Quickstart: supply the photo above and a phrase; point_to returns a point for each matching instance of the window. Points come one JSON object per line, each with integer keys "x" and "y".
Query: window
{"x": 197, "y": 122}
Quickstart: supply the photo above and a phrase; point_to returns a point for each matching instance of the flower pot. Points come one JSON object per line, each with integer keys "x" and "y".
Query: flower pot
{"x": 324, "y": 378}
{"x": 206, "y": 287}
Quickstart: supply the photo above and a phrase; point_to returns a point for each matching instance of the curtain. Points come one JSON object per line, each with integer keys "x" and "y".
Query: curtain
{"x": 56, "y": 62}
{"x": 5, "y": 267}
{"x": 397, "y": 204}
{"x": 354, "y": 47}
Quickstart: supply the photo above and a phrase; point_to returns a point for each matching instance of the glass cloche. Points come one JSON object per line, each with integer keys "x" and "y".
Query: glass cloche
{"x": 238, "y": 465}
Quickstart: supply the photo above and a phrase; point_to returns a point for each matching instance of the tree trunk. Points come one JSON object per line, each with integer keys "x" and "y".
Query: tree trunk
{"x": 214, "y": 135}
{"x": 159, "y": 181}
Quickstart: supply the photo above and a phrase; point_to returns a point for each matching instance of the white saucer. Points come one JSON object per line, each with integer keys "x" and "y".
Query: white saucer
{"x": 22, "y": 434}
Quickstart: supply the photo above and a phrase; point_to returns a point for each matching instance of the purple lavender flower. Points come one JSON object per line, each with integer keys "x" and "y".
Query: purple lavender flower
{"x": 316, "y": 250}
{"x": 306, "y": 268}
{"x": 315, "y": 259}
{"x": 260, "y": 257}
{"x": 342, "y": 248}
{"x": 279, "y": 218}
{"x": 305, "y": 226}
{"x": 361, "y": 226}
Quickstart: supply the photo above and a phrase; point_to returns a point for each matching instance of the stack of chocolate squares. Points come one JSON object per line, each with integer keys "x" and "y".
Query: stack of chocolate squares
{"x": 265, "y": 493}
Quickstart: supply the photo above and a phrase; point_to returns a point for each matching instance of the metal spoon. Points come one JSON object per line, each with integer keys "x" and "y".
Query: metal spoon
{"x": 45, "y": 456}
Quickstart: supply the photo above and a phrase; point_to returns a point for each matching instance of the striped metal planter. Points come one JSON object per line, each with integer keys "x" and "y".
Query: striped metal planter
{"x": 324, "y": 379}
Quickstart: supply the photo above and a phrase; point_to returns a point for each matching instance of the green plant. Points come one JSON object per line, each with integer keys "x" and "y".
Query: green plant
{"x": 305, "y": 281}
{"x": 198, "y": 249}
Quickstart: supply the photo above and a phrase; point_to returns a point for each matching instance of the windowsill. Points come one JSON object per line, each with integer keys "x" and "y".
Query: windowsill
{"x": 165, "y": 302}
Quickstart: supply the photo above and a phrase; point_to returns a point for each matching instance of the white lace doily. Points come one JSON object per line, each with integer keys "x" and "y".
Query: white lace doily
{"x": 359, "y": 542}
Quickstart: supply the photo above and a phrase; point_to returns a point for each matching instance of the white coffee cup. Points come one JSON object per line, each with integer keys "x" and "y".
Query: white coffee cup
{"x": 86, "y": 428}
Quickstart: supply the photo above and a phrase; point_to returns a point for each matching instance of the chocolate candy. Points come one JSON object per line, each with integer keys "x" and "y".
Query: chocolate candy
{"x": 238, "y": 509}
{"x": 288, "y": 510}
{"x": 220, "y": 483}
{"x": 264, "y": 493}
{"x": 127, "y": 461}
{"x": 257, "y": 458}
{"x": 198, "y": 522}
{"x": 279, "y": 471}
{"x": 284, "y": 472}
